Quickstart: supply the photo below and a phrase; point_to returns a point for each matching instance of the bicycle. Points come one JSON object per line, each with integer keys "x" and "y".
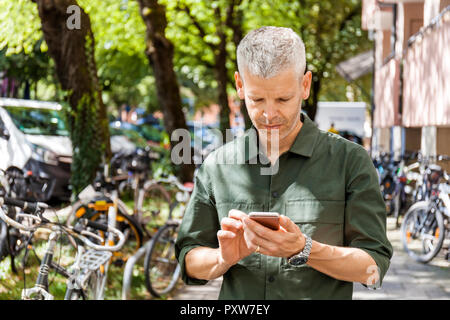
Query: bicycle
{"x": 86, "y": 277}
{"x": 94, "y": 205}
{"x": 161, "y": 267}
{"x": 16, "y": 184}
{"x": 150, "y": 199}
{"x": 394, "y": 183}
{"x": 426, "y": 224}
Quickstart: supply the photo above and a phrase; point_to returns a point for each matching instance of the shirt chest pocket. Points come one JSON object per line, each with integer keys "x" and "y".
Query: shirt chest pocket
{"x": 322, "y": 220}
{"x": 253, "y": 261}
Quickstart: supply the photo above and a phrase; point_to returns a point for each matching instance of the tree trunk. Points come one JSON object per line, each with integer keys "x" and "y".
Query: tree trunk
{"x": 238, "y": 35}
{"x": 160, "y": 54}
{"x": 221, "y": 73}
{"x": 72, "y": 49}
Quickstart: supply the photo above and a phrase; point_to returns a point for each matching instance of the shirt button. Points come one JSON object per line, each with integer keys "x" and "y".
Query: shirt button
{"x": 275, "y": 194}
{"x": 271, "y": 279}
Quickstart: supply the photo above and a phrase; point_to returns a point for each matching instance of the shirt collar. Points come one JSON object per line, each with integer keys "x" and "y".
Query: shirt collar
{"x": 303, "y": 144}
{"x": 305, "y": 141}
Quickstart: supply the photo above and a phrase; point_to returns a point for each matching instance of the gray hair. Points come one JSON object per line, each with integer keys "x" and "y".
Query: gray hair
{"x": 267, "y": 51}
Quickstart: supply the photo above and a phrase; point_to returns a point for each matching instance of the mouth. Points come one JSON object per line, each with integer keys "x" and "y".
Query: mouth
{"x": 271, "y": 127}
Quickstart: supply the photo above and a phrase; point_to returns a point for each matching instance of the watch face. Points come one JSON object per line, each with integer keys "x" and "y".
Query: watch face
{"x": 298, "y": 261}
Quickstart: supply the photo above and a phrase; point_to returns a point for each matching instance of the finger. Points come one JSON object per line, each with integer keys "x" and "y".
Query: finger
{"x": 288, "y": 225}
{"x": 259, "y": 229}
{"x": 224, "y": 234}
{"x": 231, "y": 224}
{"x": 254, "y": 241}
{"x": 237, "y": 214}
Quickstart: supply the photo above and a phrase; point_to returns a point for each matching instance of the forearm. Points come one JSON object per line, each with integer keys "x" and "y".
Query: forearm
{"x": 205, "y": 263}
{"x": 343, "y": 263}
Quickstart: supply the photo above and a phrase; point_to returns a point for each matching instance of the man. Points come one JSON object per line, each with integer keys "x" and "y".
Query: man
{"x": 332, "y": 216}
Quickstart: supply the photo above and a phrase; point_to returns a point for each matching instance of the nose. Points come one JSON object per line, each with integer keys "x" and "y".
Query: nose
{"x": 270, "y": 112}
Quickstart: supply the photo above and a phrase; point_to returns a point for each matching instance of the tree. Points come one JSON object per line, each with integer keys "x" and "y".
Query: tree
{"x": 331, "y": 31}
{"x": 217, "y": 28}
{"x": 159, "y": 51}
{"x": 72, "y": 48}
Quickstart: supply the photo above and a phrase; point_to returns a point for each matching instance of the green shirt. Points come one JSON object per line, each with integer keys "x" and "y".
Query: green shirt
{"x": 326, "y": 184}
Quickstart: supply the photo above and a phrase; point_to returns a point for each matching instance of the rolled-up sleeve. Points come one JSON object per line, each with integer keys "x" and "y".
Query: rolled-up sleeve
{"x": 365, "y": 213}
{"x": 199, "y": 226}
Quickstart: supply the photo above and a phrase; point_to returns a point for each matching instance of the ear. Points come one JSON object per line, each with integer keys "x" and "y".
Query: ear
{"x": 306, "y": 84}
{"x": 239, "y": 85}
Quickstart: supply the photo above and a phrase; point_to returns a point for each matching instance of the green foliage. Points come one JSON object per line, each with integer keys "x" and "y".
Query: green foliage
{"x": 120, "y": 52}
{"x": 31, "y": 66}
{"x": 20, "y": 26}
{"x": 331, "y": 31}
{"x": 87, "y": 146}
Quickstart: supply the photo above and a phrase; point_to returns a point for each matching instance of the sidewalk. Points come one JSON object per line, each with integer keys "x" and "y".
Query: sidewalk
{"x": 405, "y": 279}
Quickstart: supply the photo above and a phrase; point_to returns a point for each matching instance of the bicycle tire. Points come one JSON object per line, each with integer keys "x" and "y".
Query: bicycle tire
{"x": 397, "y": 204}
{"x": 424, "y": 207}
{"x": 4, "y": 251}
{"x": 162, "y": 273}
{"x": 96, "y": 286}
{"x": 9, "y": 241}
{"x": 92, "y": 291}
{"x": 162, "y": 210}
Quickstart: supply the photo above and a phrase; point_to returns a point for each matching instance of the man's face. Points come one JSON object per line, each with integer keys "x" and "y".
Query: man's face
{"x": 274, "y": 103}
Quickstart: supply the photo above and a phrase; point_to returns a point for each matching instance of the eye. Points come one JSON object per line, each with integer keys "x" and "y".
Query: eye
{"x": 284, "y": 99}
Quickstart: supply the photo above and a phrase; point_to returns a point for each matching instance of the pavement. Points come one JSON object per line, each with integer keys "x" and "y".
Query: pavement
{"x": 405, "y": 279}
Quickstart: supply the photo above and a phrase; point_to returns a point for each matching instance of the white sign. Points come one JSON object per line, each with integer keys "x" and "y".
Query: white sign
{"x": 348, "y": 116}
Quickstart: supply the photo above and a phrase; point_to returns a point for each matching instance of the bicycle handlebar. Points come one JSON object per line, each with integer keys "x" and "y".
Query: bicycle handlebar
{"x": 13, "y": 223}
{"x": 80, "y": 234}
{"x": 97, "y": 247}
{"x": 93, "y": 224}
{"x": 27, "y": 207}
{"x": 174, "y": 180}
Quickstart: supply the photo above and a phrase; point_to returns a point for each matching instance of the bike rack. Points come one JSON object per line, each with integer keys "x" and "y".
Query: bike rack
{"x": 128, "y": 272}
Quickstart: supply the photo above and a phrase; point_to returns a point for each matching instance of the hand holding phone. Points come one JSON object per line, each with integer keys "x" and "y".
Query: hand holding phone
{"x": 267, "y": 219}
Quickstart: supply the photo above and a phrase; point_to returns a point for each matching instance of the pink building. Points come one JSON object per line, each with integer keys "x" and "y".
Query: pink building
{"x": 412, "y": 74}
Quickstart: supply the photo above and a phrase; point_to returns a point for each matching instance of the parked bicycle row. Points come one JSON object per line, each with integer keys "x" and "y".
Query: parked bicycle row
{"x": 124, "y": 209}
{"x": 416, "y": 191}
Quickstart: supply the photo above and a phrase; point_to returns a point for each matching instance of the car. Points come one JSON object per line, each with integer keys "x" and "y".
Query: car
{"x": 35, "y": 140}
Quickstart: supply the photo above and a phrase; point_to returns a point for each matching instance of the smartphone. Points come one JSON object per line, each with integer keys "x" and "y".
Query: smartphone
{"x": 267, "y": 219}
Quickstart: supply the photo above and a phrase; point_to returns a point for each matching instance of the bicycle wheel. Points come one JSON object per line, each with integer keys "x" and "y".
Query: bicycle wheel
{"x": 161, "y": 266}
{"x": 94, "y": 288}
{"x": 11, "y": 240}
{"x": 423, "y": 232}
{"x": 4, "y": 251}
{"x": 396, "y": 209}
{"x": 154, "y": 205}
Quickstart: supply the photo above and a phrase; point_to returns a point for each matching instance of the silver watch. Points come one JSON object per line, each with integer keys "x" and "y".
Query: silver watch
{"x": 302, "y": 257}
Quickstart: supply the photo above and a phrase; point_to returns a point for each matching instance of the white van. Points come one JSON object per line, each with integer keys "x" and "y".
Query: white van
{"x": 34, "y": 139}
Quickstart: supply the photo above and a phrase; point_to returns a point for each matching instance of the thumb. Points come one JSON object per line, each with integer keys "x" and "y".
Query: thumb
{"x": 288, "y": 224}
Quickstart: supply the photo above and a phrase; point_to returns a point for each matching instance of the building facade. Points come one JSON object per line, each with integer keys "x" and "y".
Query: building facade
{"x": 411, "y": 75}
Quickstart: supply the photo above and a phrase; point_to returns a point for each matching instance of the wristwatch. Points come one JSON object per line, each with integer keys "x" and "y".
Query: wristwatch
{"x": 302, "y": 257}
